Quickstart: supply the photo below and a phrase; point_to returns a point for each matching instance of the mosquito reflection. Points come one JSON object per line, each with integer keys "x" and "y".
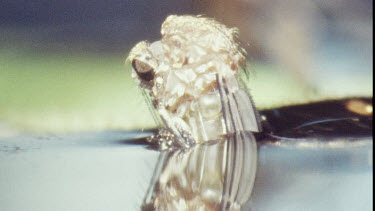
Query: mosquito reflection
{"x": 211, "y": 176}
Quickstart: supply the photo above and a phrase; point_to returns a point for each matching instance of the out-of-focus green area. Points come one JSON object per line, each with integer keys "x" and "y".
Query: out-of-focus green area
{"x": 62, "y": 92}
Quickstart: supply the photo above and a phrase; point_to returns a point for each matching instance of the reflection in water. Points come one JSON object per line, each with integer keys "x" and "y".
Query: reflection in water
{"x": 211, "y": 176}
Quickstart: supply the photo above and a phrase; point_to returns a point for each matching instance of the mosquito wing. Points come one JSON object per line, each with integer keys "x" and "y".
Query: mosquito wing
{"x": 241, "y": 119}
{"x": 238, "y": 109}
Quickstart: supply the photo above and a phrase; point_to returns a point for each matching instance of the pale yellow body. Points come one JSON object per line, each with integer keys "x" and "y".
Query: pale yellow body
{"x": 186, "y": 63}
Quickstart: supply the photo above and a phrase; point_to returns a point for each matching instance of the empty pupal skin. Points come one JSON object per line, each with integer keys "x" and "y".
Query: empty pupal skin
{"x": 182, "y": 73}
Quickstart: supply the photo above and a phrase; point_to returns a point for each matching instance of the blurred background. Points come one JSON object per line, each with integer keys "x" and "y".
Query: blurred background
{"x": 62, "y": 62}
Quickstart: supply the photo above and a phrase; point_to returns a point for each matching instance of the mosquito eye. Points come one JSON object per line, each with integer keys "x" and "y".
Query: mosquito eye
{"x": 143, "y": 70}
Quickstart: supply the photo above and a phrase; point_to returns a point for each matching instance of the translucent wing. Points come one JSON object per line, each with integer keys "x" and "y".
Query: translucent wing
{"x": 241, "y": 119}
{"x": 237, "y": 106}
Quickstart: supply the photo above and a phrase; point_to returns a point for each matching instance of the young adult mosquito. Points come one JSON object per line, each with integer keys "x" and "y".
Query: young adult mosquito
{"x": 191, "y": 80}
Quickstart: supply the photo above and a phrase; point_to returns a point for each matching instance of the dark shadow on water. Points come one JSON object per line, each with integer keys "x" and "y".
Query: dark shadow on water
{"x": 142, "y": 141}
{"x": 351, "y": 117}
{"x": 328, "y": 121}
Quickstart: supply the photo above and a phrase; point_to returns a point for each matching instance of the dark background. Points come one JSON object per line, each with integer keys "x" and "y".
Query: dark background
{"x": 114, "y": 25}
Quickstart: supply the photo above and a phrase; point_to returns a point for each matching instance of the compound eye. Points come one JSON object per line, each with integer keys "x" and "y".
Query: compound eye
{"x": 143, "y": 70}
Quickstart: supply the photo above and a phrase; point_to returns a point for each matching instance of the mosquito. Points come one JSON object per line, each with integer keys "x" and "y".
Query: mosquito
{"x": 191, "y": 80}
